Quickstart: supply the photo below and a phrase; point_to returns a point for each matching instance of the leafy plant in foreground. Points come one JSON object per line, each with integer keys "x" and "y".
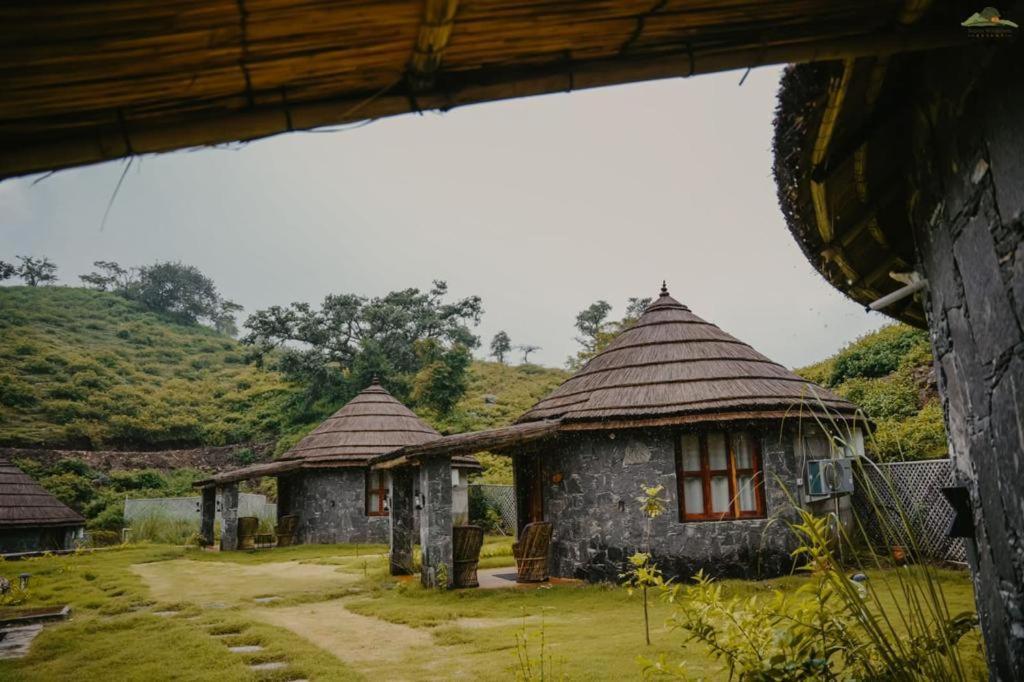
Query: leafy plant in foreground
{"x": 832, "y": 628}
{"x": 643, "y": 573}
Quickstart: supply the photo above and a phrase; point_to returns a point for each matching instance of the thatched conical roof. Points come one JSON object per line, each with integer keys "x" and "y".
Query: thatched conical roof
{"x": 24, "y": 503}
{"x": 370, "y": 424}
{"x": 672, "y": 363}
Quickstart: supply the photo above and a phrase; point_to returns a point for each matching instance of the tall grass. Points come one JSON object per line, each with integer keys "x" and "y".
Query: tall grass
{"x": 162, "y": 529}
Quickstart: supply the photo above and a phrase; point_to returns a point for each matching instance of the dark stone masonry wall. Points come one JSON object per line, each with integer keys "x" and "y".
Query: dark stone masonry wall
{"x": 968, "y": 216}
{"x": 331, "y": 505}
{"x": 598, "y": 524}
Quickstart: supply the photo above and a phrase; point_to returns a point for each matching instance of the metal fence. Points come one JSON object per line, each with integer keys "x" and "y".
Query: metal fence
{"x": 500, "y": 497}
{"x": 901, "y": 495}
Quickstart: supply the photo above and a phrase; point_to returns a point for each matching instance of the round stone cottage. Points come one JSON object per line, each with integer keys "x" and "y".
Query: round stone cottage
{"x": 325, "y": 479}
{"x": 336, "y": 496}
{"x": 677, "y": 402}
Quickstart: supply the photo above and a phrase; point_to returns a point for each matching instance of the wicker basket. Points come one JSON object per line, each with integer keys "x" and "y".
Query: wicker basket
{"x": 247, "y": 528}
{"x": 531, "y": 553}
{"x": 466, "y": 544}
{"x": 285, "y": 530}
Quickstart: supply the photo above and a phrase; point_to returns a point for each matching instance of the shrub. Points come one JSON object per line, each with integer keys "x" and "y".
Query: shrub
{"x": 161, "y": 529}
{"x": 877, "y": 354}
{"x": 834, "y": 628}
{"x": 919, "y": 436}
{"x": 16, "y": 393}
{"x": 104, "y": 538}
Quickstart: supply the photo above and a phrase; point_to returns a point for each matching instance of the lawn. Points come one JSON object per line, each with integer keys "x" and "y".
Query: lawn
{"x": 330, "y": 612}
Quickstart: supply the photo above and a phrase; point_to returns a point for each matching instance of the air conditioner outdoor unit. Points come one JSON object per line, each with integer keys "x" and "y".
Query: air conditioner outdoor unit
{"x": 829, "y": 476}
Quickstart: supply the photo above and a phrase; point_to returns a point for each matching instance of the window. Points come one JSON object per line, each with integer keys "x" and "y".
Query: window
{"x": 377, "y": 485}
{"x": 719, "y": 476}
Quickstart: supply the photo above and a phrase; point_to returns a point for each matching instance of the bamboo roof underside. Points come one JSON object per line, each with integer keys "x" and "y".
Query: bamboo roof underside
{"x": 26, "y": 504}
{"x": 673, "y": 366}
{"x": 85, "y": 81}
{"x": 462, "y": 444}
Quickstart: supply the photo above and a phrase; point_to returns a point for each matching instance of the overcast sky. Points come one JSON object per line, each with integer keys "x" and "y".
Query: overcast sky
{"x": 541, "y": 206}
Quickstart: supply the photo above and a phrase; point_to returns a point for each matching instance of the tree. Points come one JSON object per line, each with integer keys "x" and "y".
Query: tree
{"x": 36, "y": 271}
{"x": 500, "y": 345}
{"x": 112, "y": 277}
{"x": 408, "y": 338}
{"x": 179, "y": 290}
{"x": 442, "y": 380}
{"x": 590, "y": 322}
{"x": 527, "y": 349}
{"x": 7, "y": 270}
{"x": 224, "y": 318}
{"x": 597, "y": 332}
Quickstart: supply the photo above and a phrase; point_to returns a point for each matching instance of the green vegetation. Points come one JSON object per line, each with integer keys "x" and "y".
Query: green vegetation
{"x": 340, "y": 617}
{"x": 513, "y": 390}
{"x": 99, "y": 496}
{"x": 888, "y": 374}
{"x": 415, "y": 342}
{"x": 89, "y": 369}
{"x": 597, "y": 331}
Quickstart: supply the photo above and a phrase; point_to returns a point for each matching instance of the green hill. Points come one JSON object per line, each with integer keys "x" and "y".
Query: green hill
{"x": 87, "y": 369}
{"x": 889, "y": 375}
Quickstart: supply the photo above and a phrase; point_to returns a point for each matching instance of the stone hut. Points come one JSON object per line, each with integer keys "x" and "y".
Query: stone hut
{"x": 677, "y": 402}
{"x": 31, "y": 519}
{"x": 325, "y": 479}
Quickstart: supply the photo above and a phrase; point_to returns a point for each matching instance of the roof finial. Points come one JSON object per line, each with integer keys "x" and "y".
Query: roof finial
{"x": 664, "y": 288}
{"x": 375, "y": 381}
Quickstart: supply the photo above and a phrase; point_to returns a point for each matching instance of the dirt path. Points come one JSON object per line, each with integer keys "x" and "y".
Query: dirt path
{"x": 360, "y": 640}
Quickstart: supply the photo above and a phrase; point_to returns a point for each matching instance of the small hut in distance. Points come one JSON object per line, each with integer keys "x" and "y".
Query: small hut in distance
{"x": 32, "y": 519}
{"x": 335, "y": 495}
{"x": 325, "y": 479}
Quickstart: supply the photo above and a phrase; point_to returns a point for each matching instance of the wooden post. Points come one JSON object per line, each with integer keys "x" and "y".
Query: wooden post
{"x": 229, "y": 517}
{"x": 436, "y": 521}
{"x": 403, "y": 514}
{"x": 208, "y": 513}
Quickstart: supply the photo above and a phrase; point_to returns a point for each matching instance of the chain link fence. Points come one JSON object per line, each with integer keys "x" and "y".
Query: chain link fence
{"x": 898, "y": 497}
{"x": 501, "y": 498}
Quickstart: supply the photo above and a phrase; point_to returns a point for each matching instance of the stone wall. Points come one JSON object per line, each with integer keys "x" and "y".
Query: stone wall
{"x": 968, "y": 216}
{"x": 206, "y": 458}
{"x": 14, "y": 540}
{"x": 597, "y": 521}
{"x": 331, "y": 505}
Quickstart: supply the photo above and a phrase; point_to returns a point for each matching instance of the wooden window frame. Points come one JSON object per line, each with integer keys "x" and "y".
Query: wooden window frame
{"x": 732, "y": 473}
{"x": 381, "y": 490}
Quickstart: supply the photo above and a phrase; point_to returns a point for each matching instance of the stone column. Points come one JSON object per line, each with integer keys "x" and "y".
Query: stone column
{"x": 229, "y": 517}
{"x": 968, "y": 214}
{"x": 436, "y": 520}
{"x": 403, "y": 515}
{"x": 208, "y": 513}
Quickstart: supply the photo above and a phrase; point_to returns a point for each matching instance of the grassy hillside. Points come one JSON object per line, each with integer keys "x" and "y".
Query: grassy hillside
{"x": 889, "y": 375}
{"x": 84, "y": 369}
{"x": 496, "y": 396}
{"x": 87, "y": 369}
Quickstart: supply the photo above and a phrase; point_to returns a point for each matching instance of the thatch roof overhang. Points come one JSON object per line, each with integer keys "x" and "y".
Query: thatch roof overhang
{"x": 461, "y": 444}
{"x": 371, "y": 424}
{"x": 673, "y": 367}
{"x": 842, "y": 151}
{"x": 26, "y": 504}
{"x": 90, "y": 81}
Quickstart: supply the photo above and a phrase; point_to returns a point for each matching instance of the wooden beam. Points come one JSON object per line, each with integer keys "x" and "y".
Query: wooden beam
{"x": 434, "y": 34}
